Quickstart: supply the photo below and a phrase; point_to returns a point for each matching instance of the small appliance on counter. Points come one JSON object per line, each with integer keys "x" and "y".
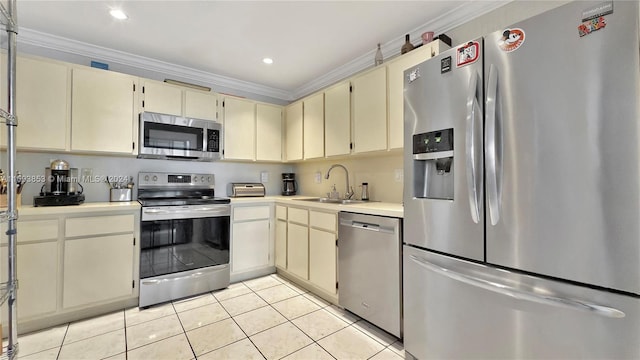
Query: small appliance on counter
{"x": 365, "y": 191}
{"x": 245, "y": 190}
{"x": 289, "y": 184}
{"x": 61, "y": 186}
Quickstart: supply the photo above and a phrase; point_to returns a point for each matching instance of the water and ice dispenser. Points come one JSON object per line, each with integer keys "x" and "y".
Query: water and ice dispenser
{"x": 433, "y": 165}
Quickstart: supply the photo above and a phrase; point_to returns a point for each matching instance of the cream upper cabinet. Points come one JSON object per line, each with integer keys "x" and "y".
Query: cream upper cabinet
{"x": 337, "y": 120}
{"x": 176, "y": 100}
{"x": 43, "y": 93}
{"x": 200, "y": 105}
{"x": 396, "y": 70}
{"x": 162, "y": 98}
{"x": 239, "y": 128}
{"x": 370, "y": 111}
{"x": 313, "y": 120}
{"x": 293, "y": 129}
{"x": 268, "y": 132}
{"x": 102, "y": 111}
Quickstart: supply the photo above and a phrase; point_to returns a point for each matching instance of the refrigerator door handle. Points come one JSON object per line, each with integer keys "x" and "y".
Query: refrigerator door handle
{"x": 491, "y": 150}
{"x": 519, "y": 293}
{"x": 473, "y": 110}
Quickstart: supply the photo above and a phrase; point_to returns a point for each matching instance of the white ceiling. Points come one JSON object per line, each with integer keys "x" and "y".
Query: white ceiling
{"x": 226, "y": 40}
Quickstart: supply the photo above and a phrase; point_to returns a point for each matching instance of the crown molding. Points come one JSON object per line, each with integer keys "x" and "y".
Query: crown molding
{"x": 57, "y": 43}
{"x": 456, "y": 17}
{"x": 461, "y": 14}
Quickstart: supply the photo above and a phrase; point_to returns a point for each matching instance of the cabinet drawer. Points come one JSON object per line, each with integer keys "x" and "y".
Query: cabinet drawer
{"x": 34, "y": 230}
{"x": 322, "y": 220}
{"x": 299, "y": 216}
{"x": 250, "y": 213}
{"x": 96, "y": 225}
{"x": 281, "y": 212}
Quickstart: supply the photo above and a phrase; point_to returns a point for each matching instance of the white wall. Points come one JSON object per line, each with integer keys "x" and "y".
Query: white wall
{"x": 33, "y": 164}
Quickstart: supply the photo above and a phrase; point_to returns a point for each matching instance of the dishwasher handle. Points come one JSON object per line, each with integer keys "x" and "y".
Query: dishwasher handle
{"x": 360, "y": 225}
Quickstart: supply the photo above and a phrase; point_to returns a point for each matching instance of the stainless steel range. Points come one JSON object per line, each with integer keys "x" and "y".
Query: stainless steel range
{"x": 184, "y": 247}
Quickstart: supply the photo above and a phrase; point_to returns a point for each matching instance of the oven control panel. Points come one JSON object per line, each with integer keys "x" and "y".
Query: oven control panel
{"x": 174, "y": 180}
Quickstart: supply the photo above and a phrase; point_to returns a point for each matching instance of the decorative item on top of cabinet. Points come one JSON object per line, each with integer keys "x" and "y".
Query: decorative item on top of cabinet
{"x": 378, "y": 58}
{"x": 407, "y": 46}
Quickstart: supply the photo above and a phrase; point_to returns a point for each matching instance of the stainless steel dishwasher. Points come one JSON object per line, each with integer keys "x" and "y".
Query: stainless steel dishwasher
{"x": 370, "y": 269}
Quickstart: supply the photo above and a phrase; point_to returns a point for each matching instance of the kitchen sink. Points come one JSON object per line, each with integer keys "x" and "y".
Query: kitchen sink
{"x": 335, "y": 201}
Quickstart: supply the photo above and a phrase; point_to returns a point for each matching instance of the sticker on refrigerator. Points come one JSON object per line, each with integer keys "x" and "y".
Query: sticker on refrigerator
{"x": 590, "y": 26}
{"x": 445, "y": 65}
{"x": 467, "y": 53}
{"x": 597, "y": 11}
{"x": 511, "y": 39}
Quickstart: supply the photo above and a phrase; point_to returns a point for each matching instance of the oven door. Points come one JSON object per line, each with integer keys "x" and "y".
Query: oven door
{"x": 168, "y": 136}
{"x": 182, "y": 238}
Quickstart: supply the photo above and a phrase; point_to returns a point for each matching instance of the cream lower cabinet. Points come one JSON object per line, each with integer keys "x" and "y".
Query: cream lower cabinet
{"x": 251, "y": 244}
{"x": 37, "y": 263}
{"x": 99, "y": 254}
{"x": 322, "y": 250}
{"x": 306, "y": 248}
{"x": 281, "y": 237}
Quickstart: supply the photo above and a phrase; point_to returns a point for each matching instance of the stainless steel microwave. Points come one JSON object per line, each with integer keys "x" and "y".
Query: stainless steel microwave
{"x": 165, "y": 136}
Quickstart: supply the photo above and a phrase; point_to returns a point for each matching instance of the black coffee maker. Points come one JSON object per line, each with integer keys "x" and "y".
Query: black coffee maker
{"x": 289, "y": 184}
{"x": 61, "y": 186}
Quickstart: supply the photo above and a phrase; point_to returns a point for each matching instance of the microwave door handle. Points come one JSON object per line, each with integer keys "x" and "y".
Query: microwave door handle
{"x": 491, "y": 147}
{"x": 473, "y": 111}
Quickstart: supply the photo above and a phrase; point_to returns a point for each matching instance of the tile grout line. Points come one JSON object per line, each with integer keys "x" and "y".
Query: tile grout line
{"x": 244, "y": 332}
{"x": 62, "y": 343}
{"x": 184, "y": 331}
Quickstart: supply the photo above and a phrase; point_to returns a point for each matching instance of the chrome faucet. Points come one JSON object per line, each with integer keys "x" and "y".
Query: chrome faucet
{"x": 348, "y": 190}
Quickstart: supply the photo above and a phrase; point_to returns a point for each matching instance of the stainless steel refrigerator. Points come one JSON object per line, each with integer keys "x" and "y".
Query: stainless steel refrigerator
{"x": 522, "y": 191}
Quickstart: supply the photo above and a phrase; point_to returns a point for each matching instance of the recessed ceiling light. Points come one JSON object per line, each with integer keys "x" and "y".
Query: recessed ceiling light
{"x": 267, "y": 60}
{"x": 118, "y": 14}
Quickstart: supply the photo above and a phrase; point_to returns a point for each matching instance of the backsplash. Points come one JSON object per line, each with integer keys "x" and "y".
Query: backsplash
{"x": 32, "y": 166}
{"x": 378, "y": 171}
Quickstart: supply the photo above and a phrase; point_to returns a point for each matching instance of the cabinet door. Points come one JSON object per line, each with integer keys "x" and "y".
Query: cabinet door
{"x": 322, "y": 259}
{"x": 281, "y": 244}
{"x": 162, "y": 98}
{"x": 250, "y": 245}
{"x": 102, "y": 111}
{"x": 97, "y": 269}
{"x": 313, "y": 120}
{"x": 200, "y": 105}
{"x": 293, "y": 129}
{"x": 298, "y": 250}
{"x": 37, "y": 276}
{"x": 268, "y": 132}
{"x": 239, "y": 129}
{"x": 42, "y": 104}
{"x": 396, "y": 89}
{"x": 337, "y": 120}
{"x": 370, "y": 111}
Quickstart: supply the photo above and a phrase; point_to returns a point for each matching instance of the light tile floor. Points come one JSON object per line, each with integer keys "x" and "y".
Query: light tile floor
{"x": 263, "y": 318}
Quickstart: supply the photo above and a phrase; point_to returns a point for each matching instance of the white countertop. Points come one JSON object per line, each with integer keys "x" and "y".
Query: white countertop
{"x": 82, "y": 208}
{"x": 369, "y": 208}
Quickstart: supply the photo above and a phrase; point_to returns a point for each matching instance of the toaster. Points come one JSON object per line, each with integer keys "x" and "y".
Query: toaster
{"x": 245, "y": 189}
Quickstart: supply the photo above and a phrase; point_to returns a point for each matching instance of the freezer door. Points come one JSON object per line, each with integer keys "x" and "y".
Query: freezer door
{"x": 444, "y": 206}
{"x": 454, "y": 309}
{"x": 563, "y": 149}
